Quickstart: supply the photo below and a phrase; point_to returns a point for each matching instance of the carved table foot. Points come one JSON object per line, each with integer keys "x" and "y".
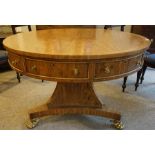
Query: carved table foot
{"x": 31, "y": 123}
{"x": 118, "y": 124}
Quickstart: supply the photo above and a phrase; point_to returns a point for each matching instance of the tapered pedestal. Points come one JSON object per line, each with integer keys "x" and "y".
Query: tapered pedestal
{"x": 74, "y": 98}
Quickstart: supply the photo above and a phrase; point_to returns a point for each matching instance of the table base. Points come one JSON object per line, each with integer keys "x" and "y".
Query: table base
{"x": 74, "y": 98}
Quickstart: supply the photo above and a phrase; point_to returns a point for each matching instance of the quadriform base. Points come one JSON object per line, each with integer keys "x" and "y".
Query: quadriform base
{"x": 74, "y": 98}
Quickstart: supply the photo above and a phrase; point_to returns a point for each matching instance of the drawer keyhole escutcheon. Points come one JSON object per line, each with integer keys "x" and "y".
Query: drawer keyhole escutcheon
{"x": 76, "y": 71}
{"x": 34, "y": 68}
{"x": 107, "y": 69}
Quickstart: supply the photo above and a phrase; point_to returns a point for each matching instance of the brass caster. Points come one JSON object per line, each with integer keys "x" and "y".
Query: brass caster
{"x": 118, "y": 124}
{"x": 32, "y": 123}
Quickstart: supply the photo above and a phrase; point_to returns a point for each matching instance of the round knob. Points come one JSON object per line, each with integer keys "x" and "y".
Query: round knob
{"x": 34, "y": 68}
{"x": 76, "y": 71}
{"x": 107, "y": 69}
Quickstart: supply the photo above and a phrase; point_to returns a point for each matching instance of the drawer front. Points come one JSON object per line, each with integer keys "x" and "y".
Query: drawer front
{"x": 135, "y": 63}
{"x": 115, "y": 67}
{"x": 16, "y": 61}
{"x": 56, "y": 69}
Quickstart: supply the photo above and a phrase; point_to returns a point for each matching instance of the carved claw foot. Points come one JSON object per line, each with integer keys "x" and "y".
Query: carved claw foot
{"x": 118, "y": 124}
{"x": 32, "y": 123}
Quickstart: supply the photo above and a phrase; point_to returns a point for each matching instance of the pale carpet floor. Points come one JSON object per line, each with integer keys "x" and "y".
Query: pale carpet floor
{"x": 137, "y": 108}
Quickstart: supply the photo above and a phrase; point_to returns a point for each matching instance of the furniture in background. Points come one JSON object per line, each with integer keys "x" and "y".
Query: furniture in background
{"x": 113, "y": 26}
{"x": 3, "y": 55}
{"x": 149, "y": 61}
{"x": 149, "y": 55}
{"x": 148, "y": 31}
{"x": 5, "y": 31}
{"x": 43, "y": 27}
{"x": 14, "y": 30}
{"x": 87, "y": 55}
{"x": 149, "y": 58}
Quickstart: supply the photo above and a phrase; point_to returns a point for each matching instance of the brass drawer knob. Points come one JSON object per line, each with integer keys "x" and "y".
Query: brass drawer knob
{"x": 14, "y": 62}
{"x": 107, "y": 70}
{"x": 76, "y": 71}
{"x": 34, "y": 68}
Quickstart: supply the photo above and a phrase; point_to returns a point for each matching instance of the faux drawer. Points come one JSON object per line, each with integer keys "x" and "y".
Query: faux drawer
{"x": 116, "y": 67}
{"x": 57, "y": 69}
{"x": 16, "y": 61}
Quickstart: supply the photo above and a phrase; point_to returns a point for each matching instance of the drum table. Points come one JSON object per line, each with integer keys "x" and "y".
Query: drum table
{"x": 75, "y": 58}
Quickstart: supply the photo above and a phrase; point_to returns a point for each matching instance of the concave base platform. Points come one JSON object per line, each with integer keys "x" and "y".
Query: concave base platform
{"x": 73, "y": 98}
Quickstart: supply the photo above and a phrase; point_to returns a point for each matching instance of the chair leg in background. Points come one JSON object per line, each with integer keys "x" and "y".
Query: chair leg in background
{"x": 138, "y": 78}
{"x": 143, "y": 72}
{"x": 18, "y": 76}
{"x": 124, "y": 83}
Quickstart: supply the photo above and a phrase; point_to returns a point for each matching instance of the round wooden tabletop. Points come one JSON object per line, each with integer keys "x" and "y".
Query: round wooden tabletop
{"x": 88, "y": 43}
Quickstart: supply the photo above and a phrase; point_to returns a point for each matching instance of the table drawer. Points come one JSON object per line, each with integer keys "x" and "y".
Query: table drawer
{"x": 16, "y": 61}
{"x": 135, "y": 63}
{"x": 115, "y": 67}
{"x": 57, "y": 69}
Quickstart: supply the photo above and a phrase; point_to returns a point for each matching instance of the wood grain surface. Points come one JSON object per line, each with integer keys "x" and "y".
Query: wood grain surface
{"x": 76, "y": 43}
